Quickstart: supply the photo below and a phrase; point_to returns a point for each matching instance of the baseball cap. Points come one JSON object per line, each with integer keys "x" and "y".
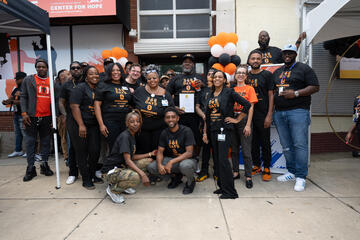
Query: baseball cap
{"x": 108, "y": 60}
{"x": 290, "y": 47}
{"x": 164, "y": 76}
{"x": 20, "y": 75}
{"x": 189, "y": 55}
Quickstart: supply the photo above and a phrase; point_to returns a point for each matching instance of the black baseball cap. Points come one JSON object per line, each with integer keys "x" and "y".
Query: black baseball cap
{"x": 188, "y": 55}
{"x": 20, "y": 75}
{"x": 108, "y": 60}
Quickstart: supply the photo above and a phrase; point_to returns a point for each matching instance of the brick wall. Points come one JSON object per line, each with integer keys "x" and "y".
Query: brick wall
{"x": 6, "y": 122}
{"x": 129, "y": 41}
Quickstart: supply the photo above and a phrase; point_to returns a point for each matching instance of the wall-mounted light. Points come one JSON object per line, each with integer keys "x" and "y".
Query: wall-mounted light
{"x": 132, "y": 32}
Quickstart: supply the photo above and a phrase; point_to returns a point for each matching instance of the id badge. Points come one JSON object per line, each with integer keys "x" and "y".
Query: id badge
{"x": 124, "y": 88}
{"x": 165, "y": 103}
{"x": 221, "y": 137}
{"x": 281, "y": 89}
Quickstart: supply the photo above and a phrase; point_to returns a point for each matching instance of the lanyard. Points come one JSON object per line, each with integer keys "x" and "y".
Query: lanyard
{"x": 284, "y": 75}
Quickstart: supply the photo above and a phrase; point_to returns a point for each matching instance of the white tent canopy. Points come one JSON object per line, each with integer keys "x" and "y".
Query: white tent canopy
{"x": 333, "y": 19}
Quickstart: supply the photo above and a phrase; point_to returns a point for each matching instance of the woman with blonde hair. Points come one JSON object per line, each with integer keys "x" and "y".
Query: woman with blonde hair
{"x": 123, "y": 168}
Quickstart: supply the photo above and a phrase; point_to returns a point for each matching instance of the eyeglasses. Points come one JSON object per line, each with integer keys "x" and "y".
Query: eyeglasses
{"x": 84, "y": 65}
{"x": 171, "y": 74}
{"x": 75, "y": 68}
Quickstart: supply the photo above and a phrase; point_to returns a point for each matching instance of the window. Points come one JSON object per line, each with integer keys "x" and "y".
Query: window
{"x": 169, "y": 19}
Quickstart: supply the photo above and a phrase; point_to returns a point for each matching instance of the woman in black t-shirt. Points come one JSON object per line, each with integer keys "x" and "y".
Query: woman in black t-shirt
{"x": 87, "y": 141}
{"x": 219, "y": 121}
{"x": 151, "y": 100}
{"x": 112, "y": 103}
{"x": 123, "y": 168}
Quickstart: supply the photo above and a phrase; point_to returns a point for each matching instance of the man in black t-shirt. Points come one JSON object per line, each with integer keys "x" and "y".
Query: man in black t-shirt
{"x": 14, "y": 101}
{"x": 295, "y": 82}
{"x": 273, "y": 55}
{"x": 66, "y": 115}
{"x": 133, "y": 79}
{"x": 183, "y": 84}
{"x": 261, "y": 81}
{"x": 175, "y": 153}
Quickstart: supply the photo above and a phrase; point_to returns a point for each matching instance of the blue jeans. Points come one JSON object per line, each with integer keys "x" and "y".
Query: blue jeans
{"x": 19, "y": 132}
{"x": 293, "y": 129}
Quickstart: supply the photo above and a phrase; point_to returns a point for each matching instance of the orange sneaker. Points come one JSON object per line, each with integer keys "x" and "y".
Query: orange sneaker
{"x": 266, "y": 175}
{"x": 255, "y": 170}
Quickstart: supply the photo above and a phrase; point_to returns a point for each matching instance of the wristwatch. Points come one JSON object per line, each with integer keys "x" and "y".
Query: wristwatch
{"x": 296, "y": 93}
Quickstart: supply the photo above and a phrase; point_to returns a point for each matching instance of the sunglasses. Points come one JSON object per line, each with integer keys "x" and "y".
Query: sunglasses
{"x": 75, "y": 68}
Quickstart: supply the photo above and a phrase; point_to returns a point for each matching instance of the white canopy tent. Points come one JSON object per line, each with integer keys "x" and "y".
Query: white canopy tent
{"x": 21, "y": 17}
{"x": 332, "y": 19}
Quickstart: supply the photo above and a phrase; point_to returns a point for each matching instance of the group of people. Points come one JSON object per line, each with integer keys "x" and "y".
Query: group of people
{"x": 133, "y": 117}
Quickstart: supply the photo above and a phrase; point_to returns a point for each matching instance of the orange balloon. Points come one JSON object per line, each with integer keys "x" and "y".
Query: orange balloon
{"x": 230, "y": 68}
{"x": 218, "y": 66}
{"x": 222, "y": 39}
{"x": 116, "y": 52}
{"x": 106, "y": 54}
{"x": 125, "y": 53}
{"x": 212, "y": 41}
{"x": 233, "y": 38}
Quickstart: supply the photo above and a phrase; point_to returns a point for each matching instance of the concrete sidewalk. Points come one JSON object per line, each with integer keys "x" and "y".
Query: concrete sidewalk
{"x": 328, "y": 209}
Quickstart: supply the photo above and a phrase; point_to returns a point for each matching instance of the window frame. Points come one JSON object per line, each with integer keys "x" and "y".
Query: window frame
{"x": 172, "y": 12}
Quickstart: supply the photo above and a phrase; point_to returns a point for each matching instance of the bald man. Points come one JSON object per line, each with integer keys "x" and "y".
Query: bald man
{"x": 270, "y": 54}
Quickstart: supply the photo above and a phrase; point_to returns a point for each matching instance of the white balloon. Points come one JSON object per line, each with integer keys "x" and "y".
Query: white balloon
{"x": 230, "y": 48}
{"x": 114, "y": 59}
{"x": 217, "y": 50}
{"x": 229, "y": 77}
{"x": 123, "y": 61}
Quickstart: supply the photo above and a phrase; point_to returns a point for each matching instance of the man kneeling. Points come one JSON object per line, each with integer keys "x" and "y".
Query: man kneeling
{"x": 175, "y": 152}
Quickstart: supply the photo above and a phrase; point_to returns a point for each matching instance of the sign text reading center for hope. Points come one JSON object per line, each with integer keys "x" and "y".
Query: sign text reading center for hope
{"x": 77, "y": 8}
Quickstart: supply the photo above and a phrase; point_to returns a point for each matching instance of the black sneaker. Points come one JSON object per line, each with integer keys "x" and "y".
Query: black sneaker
{"x": 97, "y": 180}
{"x": 88, "y": 185}
{"x": 45, "y": 169}
{"x": 30, "y": 173}
{"x": 189, "y": 188}
{"x": 249, "y": 183}
{"x": 175, "y": 181}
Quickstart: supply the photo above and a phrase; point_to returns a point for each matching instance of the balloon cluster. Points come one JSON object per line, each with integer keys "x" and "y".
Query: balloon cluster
{"x": 117, "y": 55}
{"x": 223, "y": 51}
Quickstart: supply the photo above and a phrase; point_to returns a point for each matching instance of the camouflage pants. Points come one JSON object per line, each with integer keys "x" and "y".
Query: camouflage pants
{"x": 123, "y": 178}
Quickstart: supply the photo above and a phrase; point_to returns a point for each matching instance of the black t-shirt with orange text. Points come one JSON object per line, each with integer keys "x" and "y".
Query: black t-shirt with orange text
{"x": 271, "y": 55}
{"x": 84, "y": 95}
{"x": 262, "y": 83}
{"x": 297, "y": 77}
{"x": 175, "y": 143}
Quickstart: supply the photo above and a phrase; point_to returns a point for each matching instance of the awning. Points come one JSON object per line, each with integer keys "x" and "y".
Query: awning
{"x": 333, "y": 19}
{"x": 21, "y": 17}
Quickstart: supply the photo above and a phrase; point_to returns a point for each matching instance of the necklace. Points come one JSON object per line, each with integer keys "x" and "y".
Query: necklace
{"x": 152, "y": 94}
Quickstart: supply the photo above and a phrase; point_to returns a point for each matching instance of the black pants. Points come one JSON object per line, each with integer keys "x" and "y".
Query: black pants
{"x": 88, "y": 152}
{"x": 206, "y": 151}
{"x": 191, "y": 120}
{"x": 71, "y": 127}
{"x": 220, "y": 156}
{"x": 148, "y": 140}
{"x": 238, "y": 139}
{"x": 115, "y": 127}
{"x": 261, "y": 136}
{"x": 41, "y": 126}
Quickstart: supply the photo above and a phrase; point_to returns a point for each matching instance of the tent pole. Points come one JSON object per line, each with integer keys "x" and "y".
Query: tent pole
{"x": 53, "y": 115}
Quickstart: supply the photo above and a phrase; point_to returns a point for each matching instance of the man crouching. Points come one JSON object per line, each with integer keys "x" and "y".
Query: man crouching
{"x": 175, "y": 153}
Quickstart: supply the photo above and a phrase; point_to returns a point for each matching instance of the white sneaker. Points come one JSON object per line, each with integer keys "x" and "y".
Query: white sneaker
{"x": 116, "y": 198}
{"x": 300, "y": 184}
{"x": 38, "y": 158}
{"x": 130, "y": 191}
{"x": 286, "y": 177}
{"x": 70, "y": 180}
{"x": 15, "y": 154}
{"x": 24, "y": 155}
{"x": 98, "y": 174}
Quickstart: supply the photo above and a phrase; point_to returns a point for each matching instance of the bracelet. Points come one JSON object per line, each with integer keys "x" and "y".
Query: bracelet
{"x": 298, "y": 42}
{"x": 150, "y": 155}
